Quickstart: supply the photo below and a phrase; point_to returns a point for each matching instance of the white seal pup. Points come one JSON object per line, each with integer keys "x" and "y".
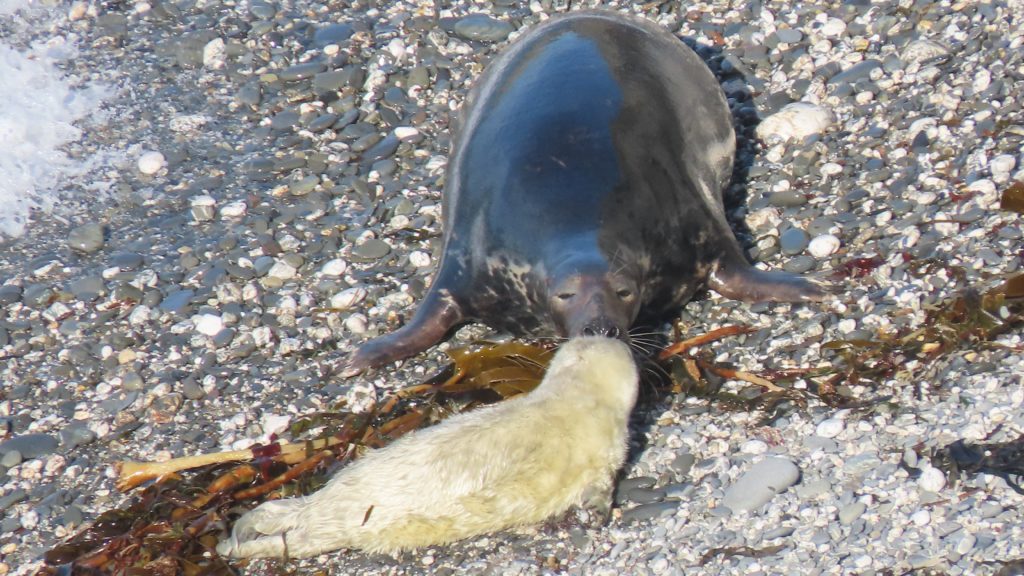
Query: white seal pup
{"x": 515, "y": 463}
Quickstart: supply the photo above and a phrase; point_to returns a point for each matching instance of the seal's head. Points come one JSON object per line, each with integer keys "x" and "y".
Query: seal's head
{"x": 588, "y": 297}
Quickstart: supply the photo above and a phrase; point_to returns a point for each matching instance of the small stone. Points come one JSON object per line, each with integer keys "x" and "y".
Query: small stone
{"x": 281, "y": 270}
{"x": 208, "y": 324}
{"x": 788, "y": 35}
{"x": 30, "y": 445}
{"x": 332, "y": 34}
{"x": 372, "y": 249}
{"x": 151, "y": 162}
{"x": 830, "y": 428}
{"x": 682, "y": 463}
{"x": 833, "y": 27}
{"x": 9, "y": 294}
{"x": 87, "y": 238}
{"x": 234, "y": 209}
{"x": 799, "y": 264}
{"x": 650, "y": 511}
{"x": 760, "y": 484}
{"x": 793, "y": 241}
{"x": 177, "y": 302}
{"x": 11, "y": 459}
{"x": 202, "y": 207}
{"x": 348, "y": 298}
{"x": 335, "y": 267}
{"x": 76, "y": 434}
{"x": 482, "y": 28}
{"x": 923, "y": 49}
{"x": 921, "y": 518}
{"x": 1001, "y": 166}
{"x": 850, "y": 512}
{"x": 797, "y": 120}
{"x": 823, "y": 246}
{"x": 931, "y": 479}
{"x": 214, "y": 54}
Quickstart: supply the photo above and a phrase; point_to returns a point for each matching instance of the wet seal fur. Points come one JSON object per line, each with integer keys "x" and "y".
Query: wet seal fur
{"x": 584, "y": 192}
{"x": 510, "y": 464}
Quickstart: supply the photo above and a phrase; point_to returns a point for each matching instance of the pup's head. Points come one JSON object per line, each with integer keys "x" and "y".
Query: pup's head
{"x": 597, "y": 366}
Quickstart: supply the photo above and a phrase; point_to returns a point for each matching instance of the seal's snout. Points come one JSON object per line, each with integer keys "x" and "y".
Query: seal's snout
{"x": 603, "y": 327}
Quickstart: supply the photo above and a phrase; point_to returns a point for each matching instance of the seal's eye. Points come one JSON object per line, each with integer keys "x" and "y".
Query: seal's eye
{"x": 566, "y": 296}
{"x": 624, "y": 294}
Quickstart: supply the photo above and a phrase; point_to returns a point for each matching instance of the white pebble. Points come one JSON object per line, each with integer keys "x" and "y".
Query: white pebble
{"x": 754, "y": 447}
{"x": 831, "y": 169}
{"x": 824, "y": 245}
{"x": 921, "y": 518}
{"x": 208, "y": 324}
{"x": 234, "y": 209}
{"x": 830, "y": 428}
{"x": 214, "y": 54}
{"x": 406, "y": 132}
{"x": 348, "y": 298}
{"x": 282, "y": 271}
{"x": 1001, "y": 166}
{"x": 923, "y": 49}
{"x": 931, "y": 479}
{"x": 419, "y": 258}
{"x": 274, "y": 423}
{"x": 982, "y": 80}
{"x": 833, "y": 27}
{"x": 797, "y": 120}
{"x": 847, "y": 325}
{"x": 29, "y": 520}
{"x": 151, "y": 162}
{"x": 356, "y": 324}
{"x": 335, "y": 267}
{"x": 202, "y": 200}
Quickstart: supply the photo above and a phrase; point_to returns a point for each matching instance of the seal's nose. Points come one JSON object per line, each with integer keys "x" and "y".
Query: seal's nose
{"x": 602, "y": 327}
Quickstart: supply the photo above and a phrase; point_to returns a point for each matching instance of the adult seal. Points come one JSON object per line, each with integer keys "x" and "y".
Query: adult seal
{"x": 584, "y": 192}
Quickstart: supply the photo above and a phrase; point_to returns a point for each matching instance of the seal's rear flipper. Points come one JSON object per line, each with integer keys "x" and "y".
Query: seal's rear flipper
{"x": 740, "y": 281}
{"x": 438, "y": 314}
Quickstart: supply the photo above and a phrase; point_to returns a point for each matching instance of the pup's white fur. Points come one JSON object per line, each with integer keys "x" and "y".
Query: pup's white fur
{"x": 514, "y": 463}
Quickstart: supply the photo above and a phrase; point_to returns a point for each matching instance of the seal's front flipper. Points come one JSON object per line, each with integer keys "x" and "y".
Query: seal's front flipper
{"x": 438, "y": 314}
{"x": 736, "y": 279}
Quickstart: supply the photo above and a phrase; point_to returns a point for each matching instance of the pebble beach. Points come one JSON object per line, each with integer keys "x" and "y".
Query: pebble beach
{"x": 256, "y": 189}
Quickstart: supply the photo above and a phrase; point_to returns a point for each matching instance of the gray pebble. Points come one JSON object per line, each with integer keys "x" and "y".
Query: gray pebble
{"x": 779, "y": 532}
{"x": 851, "y": 512}
{"x": 799, "y": 264}
{"x": 787, "y": 199}
{"x": 301, "y": 71}
{"x": 86, "y": 238}
{"x": 73, "y": 516}
{"x": 76, "y": 434}
{"x": 372, "y": 249}
{"x": 682, "y": 463}
{"x": 9, "y": 294}
{"x": 87, "y": 288}
{"x": 11, "y": 499}
{"x": 761, "y": 483}
{"x": 650, "y": 511}
{"x": 793, "y": 241}
{"x": 642, "y": 495}
{"x": 177, "y": 302}
{"x": 332, "y": 34}
{"x": 789, "y": 35}
{"x": 856, "y": 72}
{"x": 382, "y": 149}
{"x": 11, "y": 459}
{"x": 483, "y": 28}
{"x": 30, "y": 445}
